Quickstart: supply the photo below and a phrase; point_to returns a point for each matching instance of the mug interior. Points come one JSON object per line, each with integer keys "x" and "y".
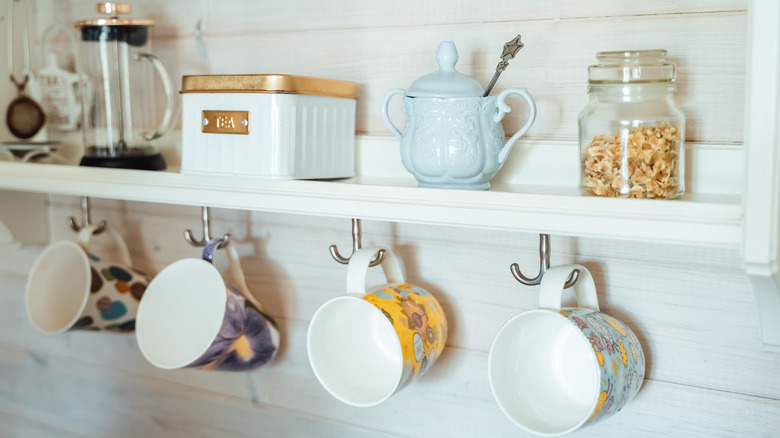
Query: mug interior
{"x": 58, "y": 288}
{"x": 543, "y": 373}
{"x": 354, "y": 351}
{"x": 181, "y": 313}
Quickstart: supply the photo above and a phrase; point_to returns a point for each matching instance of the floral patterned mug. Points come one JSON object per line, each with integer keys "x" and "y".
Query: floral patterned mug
{"x": 71, "y": 288}
{"x": 365, "y": 347}
{"x": 556, "y": 370}
{"x": 191, "y": 318}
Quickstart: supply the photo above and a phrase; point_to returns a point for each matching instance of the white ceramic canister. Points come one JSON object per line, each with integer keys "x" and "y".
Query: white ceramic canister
{"x": 268, "y": 126}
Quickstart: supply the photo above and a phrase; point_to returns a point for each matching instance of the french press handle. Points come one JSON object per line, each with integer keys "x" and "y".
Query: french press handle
{"x": 170, "y": 96}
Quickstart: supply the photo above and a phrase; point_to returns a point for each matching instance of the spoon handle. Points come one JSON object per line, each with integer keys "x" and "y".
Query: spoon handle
{"x": 510, "y": 50}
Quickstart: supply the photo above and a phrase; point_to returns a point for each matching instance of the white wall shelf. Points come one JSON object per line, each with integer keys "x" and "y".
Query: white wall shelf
{"x": 558, "y": 210}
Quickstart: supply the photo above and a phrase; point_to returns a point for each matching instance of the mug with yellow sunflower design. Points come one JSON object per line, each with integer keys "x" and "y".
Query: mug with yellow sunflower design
{"x": 555, "y": 370}
{"x": 71, "y": 288}
{"x": 366, "y": 346}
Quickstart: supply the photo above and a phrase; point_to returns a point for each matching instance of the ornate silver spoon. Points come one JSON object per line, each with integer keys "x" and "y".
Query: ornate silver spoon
{"x": 510, "y": 50}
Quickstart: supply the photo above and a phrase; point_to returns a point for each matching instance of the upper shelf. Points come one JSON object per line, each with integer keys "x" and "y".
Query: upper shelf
{"x": 385, "y": 195}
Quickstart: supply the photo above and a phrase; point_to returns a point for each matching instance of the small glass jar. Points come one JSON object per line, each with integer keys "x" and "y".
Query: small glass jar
{"x": 631, "y": 132}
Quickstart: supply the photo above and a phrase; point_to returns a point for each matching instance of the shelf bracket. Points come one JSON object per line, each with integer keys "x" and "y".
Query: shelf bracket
{"x": 761, "y": 200}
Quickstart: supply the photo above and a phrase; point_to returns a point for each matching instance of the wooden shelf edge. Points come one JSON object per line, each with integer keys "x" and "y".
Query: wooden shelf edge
{"x": 700, "y": 220}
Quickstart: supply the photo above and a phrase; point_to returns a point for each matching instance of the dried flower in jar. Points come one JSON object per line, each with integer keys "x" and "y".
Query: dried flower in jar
{"x": 648, "y": 170}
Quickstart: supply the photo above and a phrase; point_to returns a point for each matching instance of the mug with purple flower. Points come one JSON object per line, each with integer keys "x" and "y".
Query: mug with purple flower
{"x": 192, "y": 318}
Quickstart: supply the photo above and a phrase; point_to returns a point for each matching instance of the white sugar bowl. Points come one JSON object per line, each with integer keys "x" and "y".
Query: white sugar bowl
{"x": 453, "y": 137}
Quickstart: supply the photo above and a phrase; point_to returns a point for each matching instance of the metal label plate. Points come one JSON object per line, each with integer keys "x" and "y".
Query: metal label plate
{"x": 225, "y": 122}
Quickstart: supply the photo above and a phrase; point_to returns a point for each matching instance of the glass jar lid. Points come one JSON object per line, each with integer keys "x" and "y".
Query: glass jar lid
{"x": 446, "y": 82}
{"x": 630, "y": 67}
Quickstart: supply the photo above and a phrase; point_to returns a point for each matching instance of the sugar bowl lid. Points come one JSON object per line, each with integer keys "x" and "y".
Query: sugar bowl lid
{"x": 446, "y": 82}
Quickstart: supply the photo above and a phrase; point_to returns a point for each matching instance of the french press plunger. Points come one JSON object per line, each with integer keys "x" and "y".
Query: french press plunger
{"x": 122, "y": 115}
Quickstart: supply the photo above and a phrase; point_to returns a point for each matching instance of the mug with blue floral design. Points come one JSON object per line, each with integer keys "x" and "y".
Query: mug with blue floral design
{"x": 366, "y": 346}
{"x": 556, "y": 370}
{"x": 71, "y": 288}
{"x": 193, "y": 318}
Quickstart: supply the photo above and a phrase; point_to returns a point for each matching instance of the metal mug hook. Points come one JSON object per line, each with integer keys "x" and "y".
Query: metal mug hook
{"x": 357, "y": 236}
{"x": 544, "y": 265}
{"x": 86, "y": 218}
{"x": 206, "y": 220}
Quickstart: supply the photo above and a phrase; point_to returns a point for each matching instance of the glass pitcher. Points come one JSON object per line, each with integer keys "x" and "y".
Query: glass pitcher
{"x": 122, "y": 113}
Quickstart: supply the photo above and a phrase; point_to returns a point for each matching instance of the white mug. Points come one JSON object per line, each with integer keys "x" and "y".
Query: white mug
{"x": 366, "y": 346}
{"x": 555, "y": 370}
{"x": 71, "y": 288}
{"x": 192, "y": 318}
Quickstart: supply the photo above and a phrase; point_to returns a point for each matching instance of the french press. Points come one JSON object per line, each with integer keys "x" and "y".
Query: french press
{"x": 122, "y": 114}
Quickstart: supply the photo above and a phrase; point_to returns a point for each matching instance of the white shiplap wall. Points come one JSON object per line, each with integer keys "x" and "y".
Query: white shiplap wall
{"x": 692, "y": 308}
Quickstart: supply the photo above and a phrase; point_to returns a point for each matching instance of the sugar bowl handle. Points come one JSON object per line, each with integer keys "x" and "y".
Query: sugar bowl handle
{"x": 386, "y": 116}
{"x": 502, "y": 108}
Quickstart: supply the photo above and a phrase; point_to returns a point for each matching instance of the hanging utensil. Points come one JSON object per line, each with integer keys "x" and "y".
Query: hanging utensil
{"x": 24, "y": 116}
{"x": 510, "y": 50}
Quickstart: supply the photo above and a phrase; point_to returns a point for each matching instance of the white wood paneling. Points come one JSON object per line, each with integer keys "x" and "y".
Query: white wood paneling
{"x": 383, "y": 58}
{"x": 178, "y": 18}
{"x": 691, "y": 306}
{"x": 26, "y": 218}
{"x": 20, "y": 427}
{"x": 388, "y": 46}
{"x": 68, "y": 382}
{"x": 81, "y": 398}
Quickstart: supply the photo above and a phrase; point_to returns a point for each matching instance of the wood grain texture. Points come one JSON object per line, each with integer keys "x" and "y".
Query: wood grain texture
{"x": 19, "y": 427}
{"x": 691, "y": 307}
{"x": 179, "y": 18}
{"x": 369, "y": 46}
{"x": 710, "y": 69}
{"x": 82, "y": 398}
{"x": 66, "y": 384}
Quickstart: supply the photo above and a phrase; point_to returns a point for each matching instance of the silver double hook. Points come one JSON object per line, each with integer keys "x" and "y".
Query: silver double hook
{"x": 86, "y": 218}
{"x": 205, "y": 218}
{"x": 357, "y": 236}
{"x": 544, "y": 265}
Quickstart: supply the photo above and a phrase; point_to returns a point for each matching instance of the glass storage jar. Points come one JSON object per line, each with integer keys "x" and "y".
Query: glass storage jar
{"x": 631, "y": 132}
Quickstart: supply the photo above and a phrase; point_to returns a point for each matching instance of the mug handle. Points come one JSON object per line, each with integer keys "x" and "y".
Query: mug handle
{"x": 386, "y": 116}
{"x": 234, "y": 266}
{"x": 170, "y": 96}
{"x": 89, "y": 230}
{"x": 358, "y": 267}
{"x": 502, "y": 109}
{"x": 552, "y": 287}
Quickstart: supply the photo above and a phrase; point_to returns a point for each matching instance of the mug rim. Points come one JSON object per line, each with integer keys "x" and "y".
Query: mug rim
{"x": 398, "y": 373}
{"x": 491, "y": 359}
{"x": 208, "y": 268}
{"x": 82, "y": 255}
